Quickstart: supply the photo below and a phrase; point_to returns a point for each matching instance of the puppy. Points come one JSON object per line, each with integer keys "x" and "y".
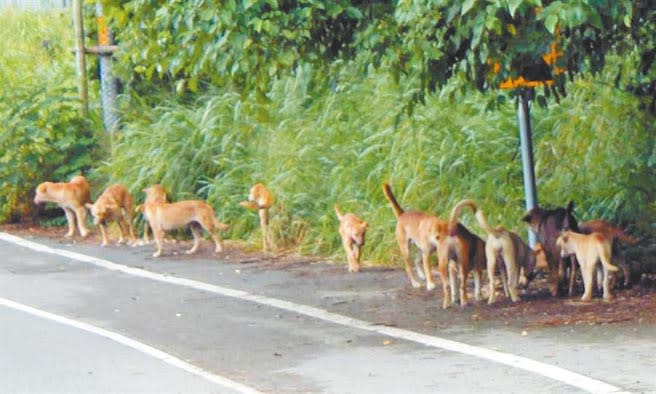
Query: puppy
{"x": 260, "y": 198}
{"x": 115, "y": 203}
{"x": 170, "y": 216}
{"x": 464, "y": 248}
{"x": 352, "y": 230}
{"x": 547, "y": 225}
{"x": 71, "y": 197}
{"x": 154, "y": 194}
{"x": 508, "y": 248}
{"x": 423, "y": 231}
{"x": 588, "y": 248}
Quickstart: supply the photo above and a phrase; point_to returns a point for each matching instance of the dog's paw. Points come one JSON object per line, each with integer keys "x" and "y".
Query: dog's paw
{"x": 430, "y": 286}
{"x": 415, "y": 284}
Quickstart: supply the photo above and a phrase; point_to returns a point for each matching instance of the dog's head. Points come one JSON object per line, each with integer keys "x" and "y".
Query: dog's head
{"x": 41, "y": 193}
{"x": 358, "y": 233}
{"x": 101, "y": 211}
{"x": 564, "y": 243}
{"x": 547, "y": 223}
{"x": 155, "y": 194}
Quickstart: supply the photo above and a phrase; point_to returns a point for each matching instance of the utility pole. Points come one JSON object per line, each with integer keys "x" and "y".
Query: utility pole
{"x": 524, "y": 119}
{"x": 82, "y": 87}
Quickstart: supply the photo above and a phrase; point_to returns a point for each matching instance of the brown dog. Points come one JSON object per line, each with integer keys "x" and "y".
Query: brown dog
{"x": 547, "y": 225}
{"x": 115, "y": 203}
{"x": 352, "y": 230}
{"x": 260, "y": 198}
{"x": 154, "y": 194}
{"x": 508, "y": 248}
{"x": 466, "y": 249}
{"x": 423, "y": 231}
{"x": 170, "y": 216}
{"x": 589, "y": 248}
{"x": 71, "y": 197}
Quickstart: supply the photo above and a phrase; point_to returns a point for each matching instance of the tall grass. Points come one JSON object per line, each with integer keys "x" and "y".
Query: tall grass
{"x": 316, "y": 147}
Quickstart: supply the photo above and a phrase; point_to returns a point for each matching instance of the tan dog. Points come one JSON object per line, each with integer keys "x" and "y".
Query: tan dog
{"x": 508, "y": 248}
{"x": 423, "y": 231}
{"x": 589, "y": 248}
{"x": 114, "y": 204}
{"x": 352, "y": 230}
{"x": 171, "y": 216}
{"x": 466, "y": 249}
{"x": 260, "y": 198}
{"x": 154, "y": 194}
{"x": 71, "y": 197}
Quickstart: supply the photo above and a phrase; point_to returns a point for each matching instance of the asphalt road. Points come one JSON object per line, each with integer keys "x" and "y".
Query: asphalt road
{"x": 123, "y": 322}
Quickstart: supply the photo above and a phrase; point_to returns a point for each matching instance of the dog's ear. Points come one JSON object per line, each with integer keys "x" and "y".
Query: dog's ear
{"x": 365, "y": 225}
{"x": 528, "y": 217}
{"x": 570, "y": 206}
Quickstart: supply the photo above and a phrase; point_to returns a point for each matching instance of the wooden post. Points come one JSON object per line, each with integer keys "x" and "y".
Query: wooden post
{"x": 82, "y": 87}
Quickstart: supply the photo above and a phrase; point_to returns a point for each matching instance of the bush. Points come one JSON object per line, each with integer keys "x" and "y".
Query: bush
{"x": 43, "y": 136}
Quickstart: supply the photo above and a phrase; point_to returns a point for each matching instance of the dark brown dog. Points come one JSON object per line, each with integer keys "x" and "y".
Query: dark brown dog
{"x": 466, "y": 249}
{"x": 547, "y": 225}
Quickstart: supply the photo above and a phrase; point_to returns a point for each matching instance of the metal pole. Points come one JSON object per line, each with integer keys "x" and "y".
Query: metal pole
{"x": 108, "y": 90}
{"x": 82, "y": 88}
{"x": 524, "y": 118}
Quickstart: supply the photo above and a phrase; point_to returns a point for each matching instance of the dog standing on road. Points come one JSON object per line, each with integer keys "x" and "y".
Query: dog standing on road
{"x": 589, "y": 248}
{"x": 192, "y": 213}
{"x": 260, "y": 198}
{"x": 115, "y": 203}
{"x": 352, "y": 231}
{"x": 71, "y": 197}
{"x": 547, "y": 225}
{"x": 154, "y": 194}
{"x": 423, "y": 231}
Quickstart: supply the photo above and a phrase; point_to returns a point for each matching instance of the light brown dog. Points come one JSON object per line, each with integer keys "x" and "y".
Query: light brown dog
{"x": 71, "y": 197}
{"x": 423, "y": 231}
{"x": 114, "y": 204}
{"x": 352, "y": 230}
{"x": 589, "y": 248}
{"x": 260, "y": 198}
{"x": 466, "y": 250}
{"x": 171, "y": 216}
{"x": 509, "y": 249}
{"x": 154, "y": 194}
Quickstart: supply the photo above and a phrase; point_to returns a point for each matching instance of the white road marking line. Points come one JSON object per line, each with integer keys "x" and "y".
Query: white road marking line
{"x": 141, "y": 347}
{"x": 550, "y": 371}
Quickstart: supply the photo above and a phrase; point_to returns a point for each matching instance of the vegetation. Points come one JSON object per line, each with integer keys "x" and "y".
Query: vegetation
{"x": 323, "y": 101}
{"x": 42, "y": 136}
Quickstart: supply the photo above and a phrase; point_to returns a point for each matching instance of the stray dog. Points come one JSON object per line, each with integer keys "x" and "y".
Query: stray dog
{"x": 115, "y": 203}
{"x": 352, "y": 230}
{"x": 154, "y": 194}
{"x": 423, "y": 231}
{"x": 509, "y": 249}
{"x": 260, "y": 198}
{"x": 71, "y": 197}
{"x": 547, "y": 225}
{"x": 466, "y": 249}
{"x": 617, "y": 237}
{"x": 588, "y": 248}
{"x": 170, "y": 216}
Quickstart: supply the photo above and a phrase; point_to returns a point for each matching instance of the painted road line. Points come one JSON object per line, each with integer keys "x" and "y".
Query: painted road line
{"x": 141, "y": 347}
{"x": 550, "y": 371}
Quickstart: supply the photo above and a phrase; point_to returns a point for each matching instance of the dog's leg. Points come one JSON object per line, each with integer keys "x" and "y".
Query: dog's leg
{"x": 587, "y": 272}
{"x": 145, "y": 231}
{"x": 443, "y": 269}
{"x": 355, "y": 252}
{"x": 103, "y": 234}
{"x": 70, "y": 219}
{"x": 158, "y": 236}
{"x": 425, "y": 256}
{"x": 197, "y": 236}
{"x": 81, "y": 213}
{"x": 453, "y": 281}
{"x": 404, "y": 245}
{"x": 218, "y": 247}
{"x": 572, "y": 275}
{"x": 513, "y": 274}
{"x": 477, "y": 285}
{"x": 122, "y": 231}
{"x": 608, "y": 296}
{"x": 264, "y": 225}
{"x": 491, "y": 267}
{"x": 418, "y": 266}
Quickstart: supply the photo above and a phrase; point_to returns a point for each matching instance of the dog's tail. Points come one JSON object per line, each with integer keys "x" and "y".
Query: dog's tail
{"x": 607, "y": 252}
{"x": 338, "y": 213}
{"x": 221, "y": 226}
{"x": 480, "y": 217}
{"x": 457, "y": 210}
{"x": 249, "y": 204}
{"x": 619, "y": 234}
{"x": 387, "y": 190}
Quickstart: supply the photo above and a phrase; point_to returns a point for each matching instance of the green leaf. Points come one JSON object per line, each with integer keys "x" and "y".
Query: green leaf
{"x": 466, "y": 6}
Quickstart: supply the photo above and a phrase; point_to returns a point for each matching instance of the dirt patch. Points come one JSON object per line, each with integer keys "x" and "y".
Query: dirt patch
{"x": 636, "y": 305}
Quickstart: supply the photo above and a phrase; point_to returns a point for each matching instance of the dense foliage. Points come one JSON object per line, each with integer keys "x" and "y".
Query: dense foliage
{"x": 42, "y": 136}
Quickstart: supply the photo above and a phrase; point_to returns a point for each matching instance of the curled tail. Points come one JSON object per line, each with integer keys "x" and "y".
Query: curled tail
{"x": 480, "y": 217}
{"x": 605, "y": 253}
{"x": 619, "y": 234}
{"x": 457, "y": 210}
{"x": 249, "y": 204}
{"x": 387, "y": 190}
{"x": 221, "y": 226}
